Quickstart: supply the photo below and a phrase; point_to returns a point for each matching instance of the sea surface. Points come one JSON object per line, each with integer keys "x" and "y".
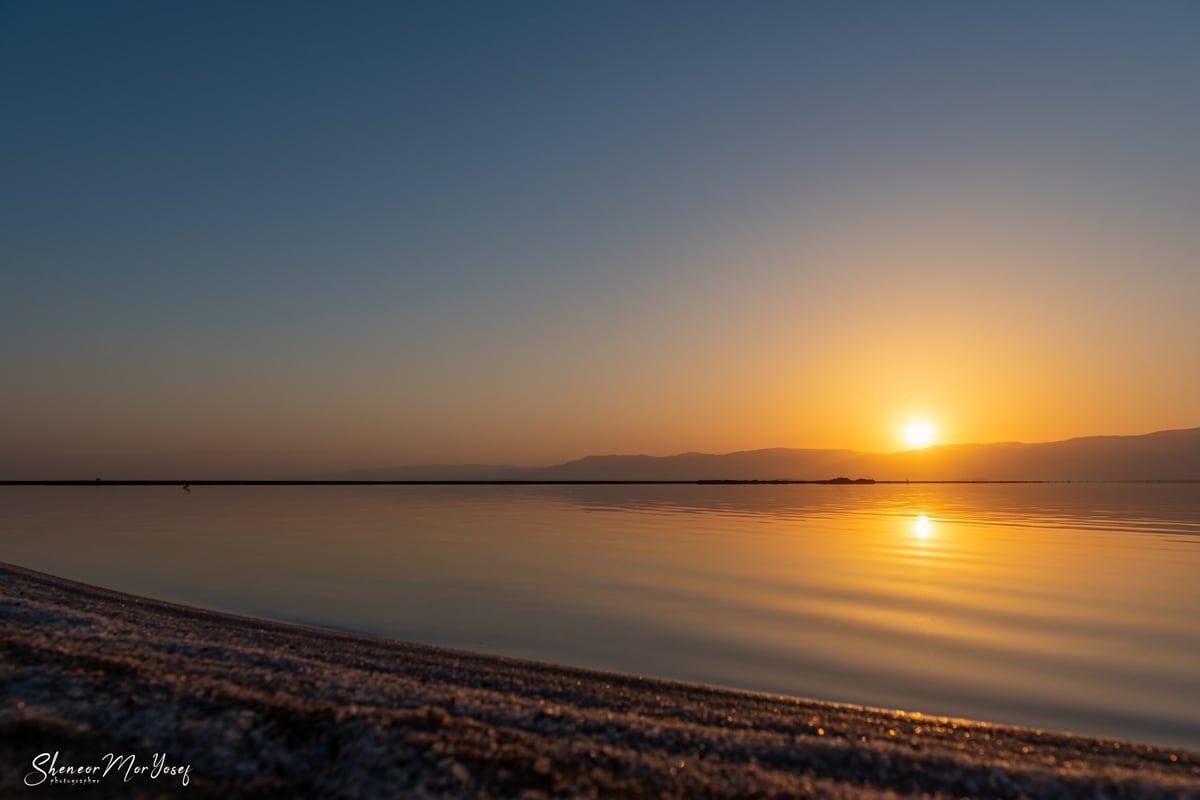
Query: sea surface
{"x": 1072, "y": 607}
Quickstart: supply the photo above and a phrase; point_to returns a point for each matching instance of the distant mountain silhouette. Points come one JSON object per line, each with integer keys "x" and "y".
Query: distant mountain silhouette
{"x": 1165, "y": 455}
{"x": 773, "y": 464}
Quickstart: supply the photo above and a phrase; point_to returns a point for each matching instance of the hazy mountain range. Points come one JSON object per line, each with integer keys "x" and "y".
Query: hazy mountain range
{"x": 1165, "y": 455}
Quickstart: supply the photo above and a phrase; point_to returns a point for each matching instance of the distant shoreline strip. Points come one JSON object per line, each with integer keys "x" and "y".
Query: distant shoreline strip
{"x": 582, "y": 482}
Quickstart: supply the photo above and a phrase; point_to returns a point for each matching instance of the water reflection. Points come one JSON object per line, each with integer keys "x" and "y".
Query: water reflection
{"x": 922, "y": 527}
{"x": 1077, "y": 613}
{"x": 1127, "y": 507}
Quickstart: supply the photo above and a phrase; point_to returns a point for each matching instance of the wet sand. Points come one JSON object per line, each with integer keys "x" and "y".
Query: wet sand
{"x": 244, "y": 707}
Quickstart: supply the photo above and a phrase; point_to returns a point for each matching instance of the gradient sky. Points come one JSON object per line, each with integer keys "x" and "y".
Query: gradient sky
{"x": 255, "y": 239}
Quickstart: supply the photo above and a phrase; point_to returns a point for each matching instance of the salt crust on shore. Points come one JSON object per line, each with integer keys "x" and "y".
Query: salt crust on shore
{"x": 264, "y": 709}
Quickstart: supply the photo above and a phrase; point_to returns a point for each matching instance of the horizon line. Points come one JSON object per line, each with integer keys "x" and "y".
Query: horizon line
{"x": 840, "y": 481}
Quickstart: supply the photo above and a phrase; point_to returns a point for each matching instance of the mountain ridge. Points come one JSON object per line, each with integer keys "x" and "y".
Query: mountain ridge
{"x": 1160, "y": 455}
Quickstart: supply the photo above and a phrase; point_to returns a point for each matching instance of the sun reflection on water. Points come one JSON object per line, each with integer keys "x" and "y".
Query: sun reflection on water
{"x": 922, "y": 527}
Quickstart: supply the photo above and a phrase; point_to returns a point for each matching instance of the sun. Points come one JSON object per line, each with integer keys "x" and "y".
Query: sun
{"x": 918, "y": 433}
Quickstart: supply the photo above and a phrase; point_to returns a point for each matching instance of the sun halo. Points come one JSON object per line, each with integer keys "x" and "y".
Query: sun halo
{"x": 918, "y": 433}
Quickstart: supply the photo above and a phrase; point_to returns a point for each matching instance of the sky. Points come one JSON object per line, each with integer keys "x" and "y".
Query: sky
{"x": 284, "y": 239}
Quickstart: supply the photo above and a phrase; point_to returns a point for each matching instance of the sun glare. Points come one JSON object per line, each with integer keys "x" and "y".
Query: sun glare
{"x": 918, "y": 433}
{"x": 922, "y": 527}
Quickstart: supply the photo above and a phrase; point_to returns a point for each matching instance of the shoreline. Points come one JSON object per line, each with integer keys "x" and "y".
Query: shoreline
{"x": 588, "y": 482}
{"x": 257, "y": 708}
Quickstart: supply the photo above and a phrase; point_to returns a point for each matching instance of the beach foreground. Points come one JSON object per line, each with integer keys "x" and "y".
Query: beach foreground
{"x": 249, "y": 708}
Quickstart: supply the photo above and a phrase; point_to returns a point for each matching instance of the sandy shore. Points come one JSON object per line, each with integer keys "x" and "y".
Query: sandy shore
{"x": 249, "y": 708}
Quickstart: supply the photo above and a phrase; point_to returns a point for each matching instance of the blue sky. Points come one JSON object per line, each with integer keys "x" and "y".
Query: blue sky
{"x": 283, "y": 238}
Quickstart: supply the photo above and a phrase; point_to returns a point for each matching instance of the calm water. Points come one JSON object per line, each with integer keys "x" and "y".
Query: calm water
{"x": 1071, "y": 607}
